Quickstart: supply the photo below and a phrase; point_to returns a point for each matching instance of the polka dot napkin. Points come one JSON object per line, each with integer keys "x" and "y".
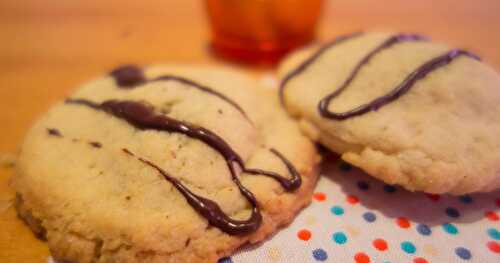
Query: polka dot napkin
{"x": 354, "y": 218}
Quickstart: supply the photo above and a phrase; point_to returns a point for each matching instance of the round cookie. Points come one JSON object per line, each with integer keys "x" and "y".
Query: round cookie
{"x": 163, "y": 164}
{"x": 405, "y": 110}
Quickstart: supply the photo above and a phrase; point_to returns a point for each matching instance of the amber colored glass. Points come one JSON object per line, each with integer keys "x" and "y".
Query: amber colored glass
{"x": 261, "y": 31}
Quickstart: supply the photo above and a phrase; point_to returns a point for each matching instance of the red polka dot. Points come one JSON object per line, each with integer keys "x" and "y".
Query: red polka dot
{"x": 433, "y": 197}
{"x": 419, "y": 260}
{"x": 380, "y": 244}
{"x": 403, "y": 222}
{"x": 491, "y": 215}
{"x": 497, "y": 202}
{"x": 352, "y": 199}
{"x": 494, "y": 246}
{"x": 361, "y": 257}
{"x": 319, "y": 196}
{"x": 304, "y": 234}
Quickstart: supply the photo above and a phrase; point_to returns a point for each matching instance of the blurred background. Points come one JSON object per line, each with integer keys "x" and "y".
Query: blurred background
{"x": 48, "y": 47}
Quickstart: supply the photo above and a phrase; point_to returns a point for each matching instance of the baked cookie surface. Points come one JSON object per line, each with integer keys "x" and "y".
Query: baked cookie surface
{"x": 406, "y": 110}
{"x": 163, "y": 164}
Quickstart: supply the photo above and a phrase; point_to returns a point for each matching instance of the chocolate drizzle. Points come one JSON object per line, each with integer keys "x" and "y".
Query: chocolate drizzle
{"x": 128, "y": 76}
{"x": 289, "y": 184}
{"x": 202, "y": 88}
{"x": 131, "y": 76}
{"x": 399, "y": 90}
{"x": 211, "y": 210}
{"x": 304, "y": 65}
{"x": 395, "y": 93}
{"x": 325, "y": 102}
{"x": 144, "y": 117}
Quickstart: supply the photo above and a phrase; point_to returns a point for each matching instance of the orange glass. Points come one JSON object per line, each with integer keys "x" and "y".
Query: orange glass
{"x": 261, "y": 31}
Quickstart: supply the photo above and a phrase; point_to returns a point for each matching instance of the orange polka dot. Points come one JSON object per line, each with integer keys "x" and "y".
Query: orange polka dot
{"x": 433, "y": 197}
{"x": 352, "y": 199}
{"x": 403, "y": 222}
{"x": 304, "y": 234}
{"x": 380, "y": 244}
{"x": 494, "y": 246}
{"x": 419, "y": 260}
{"x": 319, "y": 196}
{"x": 491, "y": 215}
{"x": 361, "y": 257}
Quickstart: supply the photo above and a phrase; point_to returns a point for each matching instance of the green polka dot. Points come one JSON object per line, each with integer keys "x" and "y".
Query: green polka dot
{"x": 337, "y": 210}
{"x": 339, "y": 238}
{"x": 408, "y": 247}
{"x": 450, "y": 229}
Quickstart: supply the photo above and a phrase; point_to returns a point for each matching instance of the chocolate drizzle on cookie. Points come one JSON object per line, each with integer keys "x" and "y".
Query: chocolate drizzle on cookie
{"x": 131, "y": 76}
{"x": 144, "y": 117}
{"x": 304, "y": 65}
{"x": 420, "y": 73}
{"x": 289, "y": 184}
{"x": 395, "y": 93}
{"x": 128, "y": 76}
{"x": 211, "y": 210}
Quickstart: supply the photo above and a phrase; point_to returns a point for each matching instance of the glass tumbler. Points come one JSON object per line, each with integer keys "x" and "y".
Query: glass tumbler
{"x": 261, "y": 31}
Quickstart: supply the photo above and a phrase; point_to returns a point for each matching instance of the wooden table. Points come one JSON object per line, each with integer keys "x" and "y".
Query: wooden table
{"x": 49, "y": 47}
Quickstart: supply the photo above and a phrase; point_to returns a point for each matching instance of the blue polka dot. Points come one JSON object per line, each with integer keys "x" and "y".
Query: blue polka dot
{"x": 424, "y": 229}
{"x": 466, "y": 199}
{"x": 345, "y": 167}
{"x": 452, "y": 212}
{"x": 369, "y": 217}
{"x": 339, "y": 238}
{"x": 463, "y": 253}
{"x": 493, "y": 233}
{"x": 320, "y": 254}
{"x": 408, "y": 247}
{"x": 362, "y": 185}
{"x": 450, "y": 228}
{"x": 337, "y": 210}
{"x": 226, "y": 260}
{"x": 389, "y": 188}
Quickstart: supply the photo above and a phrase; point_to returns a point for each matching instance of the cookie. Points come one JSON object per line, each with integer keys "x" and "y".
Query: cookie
{"x": 164, "y": 164}
{"x": 402, "y": 108}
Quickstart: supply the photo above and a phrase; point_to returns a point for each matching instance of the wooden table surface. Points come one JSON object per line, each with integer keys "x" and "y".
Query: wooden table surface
{"x": 49, "y": 47}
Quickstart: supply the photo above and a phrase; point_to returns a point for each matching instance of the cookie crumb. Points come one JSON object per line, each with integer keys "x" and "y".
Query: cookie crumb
{"x": 54, "y": 132}
{"x": 95, "y": 144}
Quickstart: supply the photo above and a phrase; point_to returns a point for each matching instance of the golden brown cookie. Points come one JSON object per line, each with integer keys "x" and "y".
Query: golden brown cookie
{"x": 163, "y": 164}
{"x": 404, "y": 109}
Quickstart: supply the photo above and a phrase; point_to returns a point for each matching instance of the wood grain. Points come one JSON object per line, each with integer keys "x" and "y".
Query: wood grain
{"x": 48, "y": 47}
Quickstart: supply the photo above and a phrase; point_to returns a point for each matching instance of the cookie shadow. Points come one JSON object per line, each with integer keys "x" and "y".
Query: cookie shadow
{"x": 395, "y": 202}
